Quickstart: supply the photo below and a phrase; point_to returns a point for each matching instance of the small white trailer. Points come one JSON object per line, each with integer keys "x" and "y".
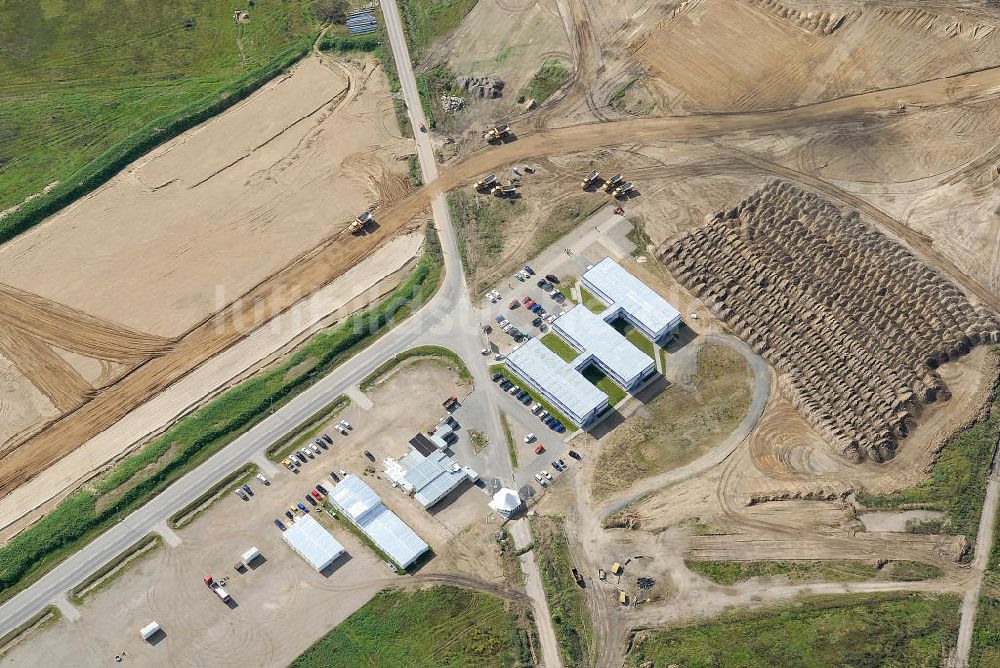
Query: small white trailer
{"x": 149, "y": 630}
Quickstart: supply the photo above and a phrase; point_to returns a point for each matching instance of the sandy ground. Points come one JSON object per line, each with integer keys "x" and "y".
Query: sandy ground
{"x": 282, "y": 605}
{"x": 363, "y": 280}
{"x": 22, "y": 406}
{"x": 303, "y": 155}
{"x": 179, "y": 233}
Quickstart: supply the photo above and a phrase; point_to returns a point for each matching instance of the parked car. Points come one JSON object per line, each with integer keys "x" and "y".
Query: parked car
{"x": 574, "y": 454}
{"x": 528, "y": 438}
{"x": 484, "y": 352}
{"x": 561, "y": 463}
{"x": 541, "y": 283}
{"x": 526, "y": 399}
{"x": 321, "y": 489}
{"x": 551, "y": 278}
{"x": 547, "y": 475}
{"x": 260, "y": 476}
{"x": 328, "y": 438}
{"x": 316, "y": 495}
{"x": 498, "y": 357}
{"x": 540, "y": 479}
{"x": 536, "y": 308}
{"x": 369, "y": 455}
{"x": 246, "y": 488}
{"x": 539, "y": 449}
{"x": 347, "y": 424}
{"x": 505, "y": 384}
{"x": 278, "y": 524}
{"x": 543, "y": 415}
{"x": 495, "y": 377}
{"x": 560, "y": 428}
{"x": 306, "y": 453}
{"x": 536, "y": 408}
{"x": 310, "y": 499}
{"x": 500, "y": 319}
{"x": 514, "y": 389}
{"x": 314, "y": 448}
{"x": 292, "y": 510}
{"x": 508, "y": 327}
{"x": 555, "y": 465}
{"x": 521, "y": 394}
{"x": 287, "y": 463}
{"x": 302, "y": 507}
{"x": 341, "y": 429}
{"x": 519, "y": 277}
{"x": 333, "y": 474}
{"x": 529, "y": 270}
{"x": 243, "y": 495}
{"x": 536, "y": 322}
{"x": 289, "y": 514}
{"x": 528, "y": 302}
{"x": 514, "y": 304}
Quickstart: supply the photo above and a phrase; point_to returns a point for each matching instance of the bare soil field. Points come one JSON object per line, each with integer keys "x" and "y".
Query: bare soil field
{"x": 290, "y": 166}
{"x": 775, "y": 57}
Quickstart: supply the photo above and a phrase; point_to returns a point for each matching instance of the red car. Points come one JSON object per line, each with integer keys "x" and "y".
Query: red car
{"x": 514, "y": 304}
{"x": 539, "y": 449}
{"x": 528, "y": 302}
{"x": 319, "y": 497}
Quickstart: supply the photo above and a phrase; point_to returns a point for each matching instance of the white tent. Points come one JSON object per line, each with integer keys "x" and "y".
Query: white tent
{"x": 505, "y": 502}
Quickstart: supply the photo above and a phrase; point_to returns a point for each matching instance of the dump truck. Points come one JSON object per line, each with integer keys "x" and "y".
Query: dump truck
{"x": 486, "y": 182}
{"x": 217, "y": 589}
{"x": 589, "y": 179}
{"x": 496, "y": 133}
{"x": 578, "y": 578}
{"x": 622, "y": 597}
{"x": 359, "y": 223}
{"x": 616, "y": 568}
{"x": 612, "y": 183}
{"x": 623, "y": 189}
{"x": 504, "y": 191}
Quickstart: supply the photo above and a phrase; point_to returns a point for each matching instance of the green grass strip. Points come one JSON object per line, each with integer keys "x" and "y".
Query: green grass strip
{"x": 203, "y": 502}
{"x": 450, "y": 358}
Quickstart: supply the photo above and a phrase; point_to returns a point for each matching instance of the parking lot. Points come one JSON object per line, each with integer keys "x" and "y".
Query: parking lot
{"x": 280, "y": 605}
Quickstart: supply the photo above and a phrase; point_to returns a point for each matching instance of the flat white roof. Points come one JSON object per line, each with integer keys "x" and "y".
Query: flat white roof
{"x": 623, "y": 290}
{"x": 603, "y": 341}
{"x": 557, "y": 377}
{"x": 313, "y": 543}
{"x": 431, "y": 477}
{"x": 385, "y": 529}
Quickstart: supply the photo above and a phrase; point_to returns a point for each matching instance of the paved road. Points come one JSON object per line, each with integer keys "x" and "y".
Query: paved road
{"x": 448, "y": 319}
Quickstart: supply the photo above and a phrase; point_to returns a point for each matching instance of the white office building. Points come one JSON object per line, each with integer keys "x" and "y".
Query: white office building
{"x": 558, "y": 381}
{"x": 602, "y": 345}
{"x": 363, "y": 507}
{"x": 311, "y": 541}
{"x": 628, "y": 297}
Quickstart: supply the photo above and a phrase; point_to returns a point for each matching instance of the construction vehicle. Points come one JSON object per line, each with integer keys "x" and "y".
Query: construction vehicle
{"x": 622, "y": 597}
{"x": 217, "y": 589}
{"x": 487, "y": 182}
{"x": 496, "y": 133}
{"x": 602, "y": 574}
{"x": 623, "y": 189}
{"x": 578, "y": 578}
{"x": 504, "y": 191}
{"x": 617, "y": 569}
{"x": 359, "y": 223}
{"x": 589, "y": 179}
{"x": 612, "y": 183}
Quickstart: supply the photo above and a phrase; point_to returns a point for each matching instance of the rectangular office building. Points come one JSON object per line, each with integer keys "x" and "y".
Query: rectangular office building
{"x": 558, "y": 381}
{"x": 602, "y": 345}
{"x": 626, "y": 296}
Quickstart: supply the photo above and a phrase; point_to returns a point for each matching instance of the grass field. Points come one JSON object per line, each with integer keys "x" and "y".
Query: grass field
{"x": 85, "y": 513}
{"x": 801, "y": 572}
{"x": 567, "y": 606}
{"x": 481, "y": 225}
{"x": 546, "y": 81}
{"x": 957, "y": 484}
{"x": 609, "y": 387}
{"x": 679, "y": 424}
{"x": 855, "y": 630}
{"x": 429, "y": 20}
{"x": 441, "y": 626}
{"x": 559, "y": 347}
{"x": 591, "y": 302}
{"x": 86, "y": 87}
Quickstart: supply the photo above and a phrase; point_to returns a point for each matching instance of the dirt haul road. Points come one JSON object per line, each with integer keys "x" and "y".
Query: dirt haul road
{"x": 331, "y": 258}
